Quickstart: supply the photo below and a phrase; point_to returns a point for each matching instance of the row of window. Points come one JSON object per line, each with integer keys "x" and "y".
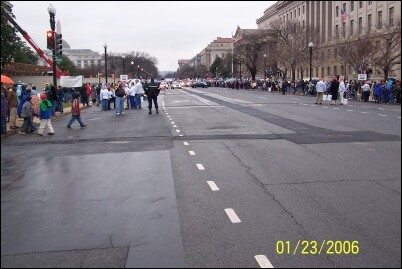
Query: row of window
{"x": 369, "y": 23}
{"x": 352, "y": 6}
{"x": 282, "y": 19}
{"x": 92, "y": 62}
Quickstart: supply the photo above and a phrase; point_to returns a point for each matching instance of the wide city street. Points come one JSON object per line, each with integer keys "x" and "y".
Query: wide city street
{"x": 219, "y": 178}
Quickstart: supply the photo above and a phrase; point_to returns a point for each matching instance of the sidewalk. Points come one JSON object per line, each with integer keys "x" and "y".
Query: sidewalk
{"x": 56, "y": 117}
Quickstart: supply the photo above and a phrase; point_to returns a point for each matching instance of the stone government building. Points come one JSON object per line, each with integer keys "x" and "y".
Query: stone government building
{"x": 361, "y": 18}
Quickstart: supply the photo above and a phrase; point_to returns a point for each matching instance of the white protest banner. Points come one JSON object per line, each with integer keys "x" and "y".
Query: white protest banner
{"x": 361, "y": 76}
{"x": 71, "y": 82}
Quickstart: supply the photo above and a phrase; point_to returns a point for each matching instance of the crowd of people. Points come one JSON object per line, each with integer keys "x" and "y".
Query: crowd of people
{"x": 385, "y": 92}
{"x": 24, "y": 101}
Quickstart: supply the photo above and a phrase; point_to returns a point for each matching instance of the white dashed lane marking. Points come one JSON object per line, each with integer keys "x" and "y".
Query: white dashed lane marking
{"x": 263, "y": 261}
{"x": 382, "y": 115}
{"x": 175, "y": 126}
{"x": 232, "y": 215}
{"x": 350, "y": 110}
{"x": 177, "y": 130}
{"x": 192, "y": 153}
{"x": 200, "y": 166}
{"x": 213, "y": 186}
{"x": 185, "y": 143}
{"x": 364, "y": 112}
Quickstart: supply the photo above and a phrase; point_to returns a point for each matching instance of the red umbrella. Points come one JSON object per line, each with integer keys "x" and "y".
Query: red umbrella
{"x": 5, "y": 79}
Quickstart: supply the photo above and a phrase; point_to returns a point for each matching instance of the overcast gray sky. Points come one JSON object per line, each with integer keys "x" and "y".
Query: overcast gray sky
{"x": 169, "y": 30}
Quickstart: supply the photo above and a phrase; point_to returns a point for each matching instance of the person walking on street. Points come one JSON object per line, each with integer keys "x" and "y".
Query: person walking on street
{"x": 320, "y": 88}
{"x": 27, "y": 113}
{"x": 44, "y": 116}
{"x": 152, "y": 91}
{"x": 75, "y": 112}
{"x": 53, "y": 99}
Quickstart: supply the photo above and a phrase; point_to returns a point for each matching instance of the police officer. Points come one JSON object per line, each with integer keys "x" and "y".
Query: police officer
{"x": 152, "y": 91}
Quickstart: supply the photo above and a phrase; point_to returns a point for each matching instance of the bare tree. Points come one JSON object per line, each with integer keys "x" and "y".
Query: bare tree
{"x": 387, "y": 54}
{"x": 292, "y": 44}
{"x": 249, "y": 49}
{"x": 356, "y": 50}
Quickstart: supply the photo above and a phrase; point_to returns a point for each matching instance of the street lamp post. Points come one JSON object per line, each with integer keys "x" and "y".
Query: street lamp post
{"x": 105, "y": 46}
{"x": 123, "y": 64}
{"x": 310, "y": 46}
{"x": 138, "y": 71}
{"x": 52, "y": 13}
{"x": 132, "y": 68}
{"x": 265, "y": 66}
{"x": 216, "y": 72}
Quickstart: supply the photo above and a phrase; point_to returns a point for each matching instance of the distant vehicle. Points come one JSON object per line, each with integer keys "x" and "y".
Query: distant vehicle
{"x": 164, "y": 85}
{"x": 176, "y": 85}
{"x": 199, "y": 84}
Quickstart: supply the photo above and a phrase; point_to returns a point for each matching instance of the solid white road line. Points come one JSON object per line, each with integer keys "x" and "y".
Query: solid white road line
{"x": 177, "y": 130}
{"x": 232, "y": 215}
{"x": 186, "y": 143}
{"x": 192, "y": 153}
{"x": 263, "y": 261}
{"x": 200, "y": 166}
{"x": 213, "y": 186}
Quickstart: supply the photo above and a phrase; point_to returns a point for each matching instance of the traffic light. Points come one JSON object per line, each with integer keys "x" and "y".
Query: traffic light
{"x": 59, "y": 44}
{"x": 50, "y": 39}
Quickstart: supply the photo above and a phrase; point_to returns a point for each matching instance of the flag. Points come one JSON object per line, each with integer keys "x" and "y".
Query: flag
{"x": 343, "y": 15}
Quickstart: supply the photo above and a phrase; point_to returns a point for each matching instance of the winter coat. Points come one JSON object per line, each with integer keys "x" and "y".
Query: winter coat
{"x": 334, "y": 89}
{"x": 152, "y": 89}
{"x": 44, "y": 111}
{"x": 75, "y": 107}
{"x": 4, "y": 106}
{"x": 27, "y": 111}
{"x": 12, "y": 99}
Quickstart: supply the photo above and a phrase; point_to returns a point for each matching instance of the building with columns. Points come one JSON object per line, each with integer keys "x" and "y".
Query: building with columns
{"x": 361, "y": 17}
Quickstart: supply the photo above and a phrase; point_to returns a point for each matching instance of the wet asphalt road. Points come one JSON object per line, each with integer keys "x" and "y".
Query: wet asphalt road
{"x": 128, "y": 191}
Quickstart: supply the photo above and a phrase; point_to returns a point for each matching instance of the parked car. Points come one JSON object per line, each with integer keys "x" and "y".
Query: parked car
{"x": 199, "y": 84}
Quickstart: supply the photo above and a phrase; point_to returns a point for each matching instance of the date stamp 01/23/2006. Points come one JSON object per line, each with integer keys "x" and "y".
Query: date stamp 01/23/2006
{"x": 313, "y": 247}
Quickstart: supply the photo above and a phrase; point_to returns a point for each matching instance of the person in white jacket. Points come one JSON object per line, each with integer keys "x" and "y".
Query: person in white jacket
{"x": 320, "y": 88}
{"x": 139, "y": 91}
{"x": 131, "y": 93}
{"x": 104, "y": 97}
{"x": 341, "y": 89}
